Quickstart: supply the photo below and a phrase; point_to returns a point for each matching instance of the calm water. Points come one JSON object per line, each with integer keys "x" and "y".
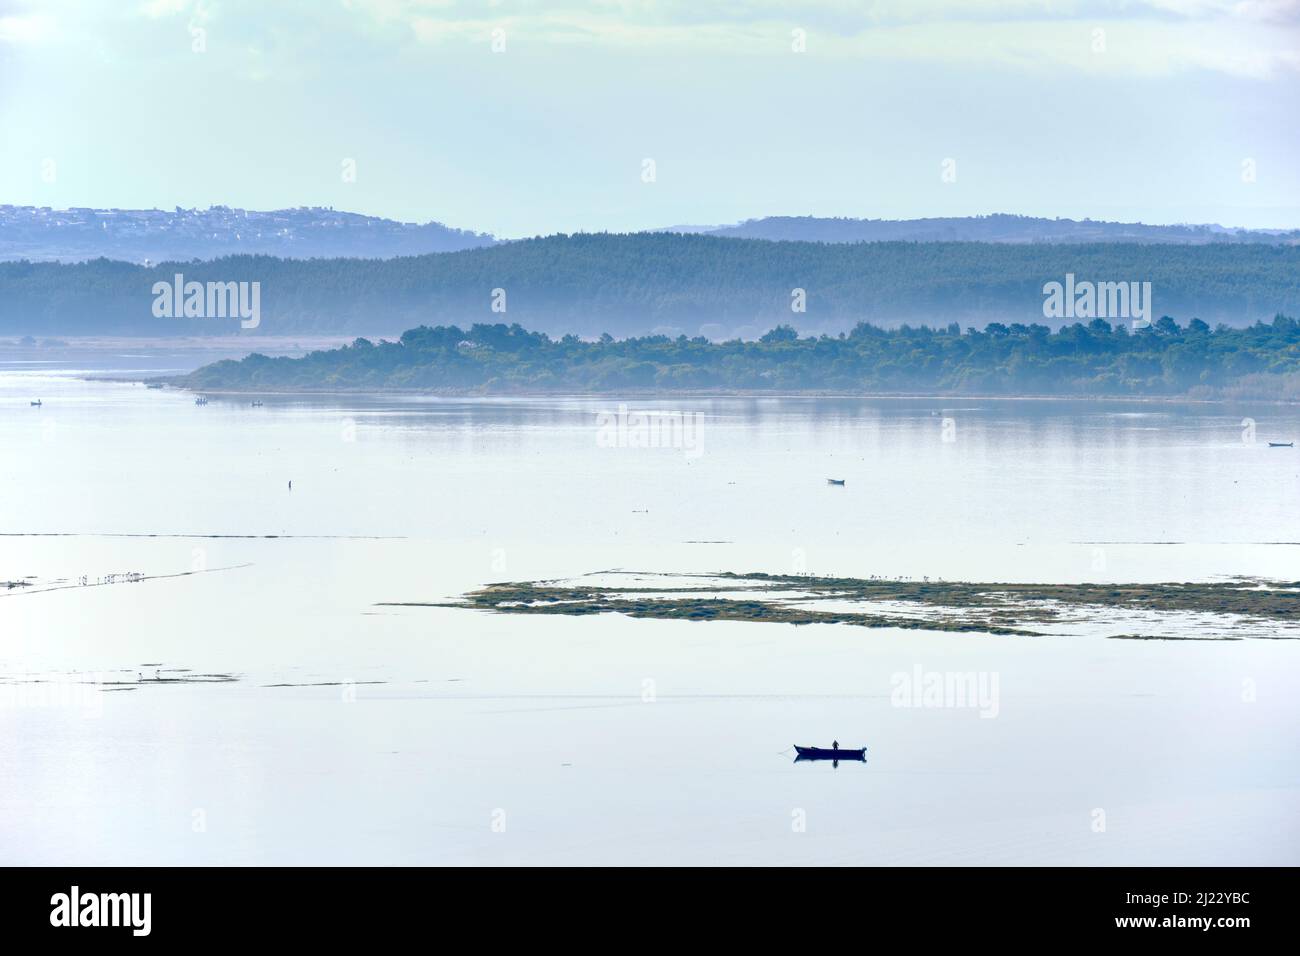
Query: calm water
{"x": 431, "y": 735}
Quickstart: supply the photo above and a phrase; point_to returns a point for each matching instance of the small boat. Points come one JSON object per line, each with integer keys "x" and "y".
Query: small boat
{"x": 835, "y": 481}
{"x": 830, "y": 753}
{"x": 36, "y": 404}
{"x": 1281, "y": 444}
{"x": 257, "y": 404}
{"x": 200, "y": 400}
{"x": 154, "y": 385}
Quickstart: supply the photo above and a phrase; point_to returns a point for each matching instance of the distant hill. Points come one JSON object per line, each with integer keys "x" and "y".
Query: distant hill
{"x": 661, "y": 283}
{"x": 41, "y": 234}
{"x": 995, "y": 228}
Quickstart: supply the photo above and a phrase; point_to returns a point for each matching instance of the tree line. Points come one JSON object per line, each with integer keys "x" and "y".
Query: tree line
{"x": 646, "y": 283}
{"x": 1165, "y": 358}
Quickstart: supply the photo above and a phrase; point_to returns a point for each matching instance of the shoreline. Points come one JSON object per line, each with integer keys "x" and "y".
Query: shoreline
{"x": 170, "y": 382}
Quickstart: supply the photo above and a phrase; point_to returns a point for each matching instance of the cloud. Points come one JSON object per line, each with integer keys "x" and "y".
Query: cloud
{"x": 155, "y": 9}
{"x": 25, "y": 28}
{"x": 1247, "y": 38}
{"x": 844, "y": 16}
{"x": 1258, "y": 39}
{"x": 1272, "y": 11}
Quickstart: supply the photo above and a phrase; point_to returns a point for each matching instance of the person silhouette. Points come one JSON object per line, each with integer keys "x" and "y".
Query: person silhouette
{"x": 835, "y": 745}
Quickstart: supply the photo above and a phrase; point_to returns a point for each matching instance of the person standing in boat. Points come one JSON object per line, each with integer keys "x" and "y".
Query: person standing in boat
{"x": 835, "y": 745}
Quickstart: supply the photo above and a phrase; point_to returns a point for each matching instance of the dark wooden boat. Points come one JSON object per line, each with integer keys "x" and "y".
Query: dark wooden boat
{"x": 36, "y": 404}
{"x": 828, "y": 753}
{"x": 835, "y": 481}
{"x": 1281, "y": 444}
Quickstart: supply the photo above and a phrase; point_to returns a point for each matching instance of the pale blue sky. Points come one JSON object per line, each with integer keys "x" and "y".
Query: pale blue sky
{"x": 1150, "y": 119}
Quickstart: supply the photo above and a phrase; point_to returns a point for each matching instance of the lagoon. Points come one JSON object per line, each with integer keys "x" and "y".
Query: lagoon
{"x": 357, "y": 731}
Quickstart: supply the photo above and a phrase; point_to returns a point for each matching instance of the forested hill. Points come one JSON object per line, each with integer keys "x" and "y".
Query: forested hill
{"x": 635, "y": 284}
{"x": 1262, "y": 361}
{"x": 995, "y": 228}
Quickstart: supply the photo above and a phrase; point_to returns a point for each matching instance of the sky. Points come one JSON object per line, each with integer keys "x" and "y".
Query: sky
{"x": 528, "y": 118}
